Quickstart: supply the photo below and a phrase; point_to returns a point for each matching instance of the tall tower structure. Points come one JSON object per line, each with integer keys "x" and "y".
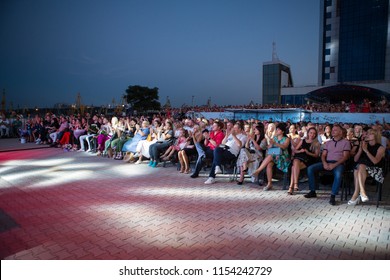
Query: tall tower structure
{"x": 276, "y": 74}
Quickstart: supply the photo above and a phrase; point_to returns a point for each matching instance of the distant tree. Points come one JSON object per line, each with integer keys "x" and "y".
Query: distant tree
{"x": 142, "y": 98}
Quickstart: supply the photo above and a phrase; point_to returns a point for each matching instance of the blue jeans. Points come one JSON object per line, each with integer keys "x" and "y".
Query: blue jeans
{"x": 156, "y": 148}
{"x": 220, "y": 155}
{"x": 313, "y": 170}
{"x": 203, "y": 152}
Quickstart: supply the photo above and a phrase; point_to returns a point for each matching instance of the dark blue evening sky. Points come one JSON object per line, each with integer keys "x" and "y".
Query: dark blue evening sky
{"x": 52, "y": 49}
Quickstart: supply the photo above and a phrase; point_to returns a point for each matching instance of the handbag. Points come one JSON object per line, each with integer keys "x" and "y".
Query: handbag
{"x": 149, "y": 138}
{"x": 274, "y": 151}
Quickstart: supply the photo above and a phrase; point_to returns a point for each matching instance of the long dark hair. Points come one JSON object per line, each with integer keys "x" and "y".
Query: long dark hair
{"x": 260, "y": 128}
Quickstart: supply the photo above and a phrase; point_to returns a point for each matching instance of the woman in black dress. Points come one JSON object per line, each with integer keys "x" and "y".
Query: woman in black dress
{"x": 307, "y": 152}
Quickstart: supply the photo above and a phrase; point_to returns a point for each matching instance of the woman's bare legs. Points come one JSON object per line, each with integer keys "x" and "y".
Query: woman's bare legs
{"x": 263, "y": 165}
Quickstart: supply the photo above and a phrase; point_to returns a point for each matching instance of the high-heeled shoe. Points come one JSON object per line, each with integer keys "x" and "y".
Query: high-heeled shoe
{"x": 290, "y": 191}
{"x": 296, "y": 189}
{"x": 240, "y": 182}
{"x": 354, "y": 202}
{"x": 364, "y": 198}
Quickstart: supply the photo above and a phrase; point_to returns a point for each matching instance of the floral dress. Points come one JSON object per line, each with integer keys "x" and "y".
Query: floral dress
{"x": 251, "y": 156}
{"x": 283, "y": 160}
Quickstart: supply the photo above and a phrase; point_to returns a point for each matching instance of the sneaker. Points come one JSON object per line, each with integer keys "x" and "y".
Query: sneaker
{"x": 310, "y": 194}
{"x": 332, "y": 200}
{"x": 210, "y": 181}
{"x": 154, "y": 164}
{"x": 304, "y": 180}
{"x": 253, "y": 179}
{"x": 267, "y": 188}
{"x": 150, "y": 163}
{"x": 218, "y": 170}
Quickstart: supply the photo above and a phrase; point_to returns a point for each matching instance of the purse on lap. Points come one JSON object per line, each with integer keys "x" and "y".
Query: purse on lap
{"x": 274, "y": 151}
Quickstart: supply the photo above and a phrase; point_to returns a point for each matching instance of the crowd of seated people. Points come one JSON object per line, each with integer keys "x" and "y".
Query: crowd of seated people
{"x": 253, "y": 145}
{"x": 349, "y": 106}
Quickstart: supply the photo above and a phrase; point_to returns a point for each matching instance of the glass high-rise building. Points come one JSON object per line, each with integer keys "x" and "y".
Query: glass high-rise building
{"x": 276, "y": 75}
{"x": 354, "y": 56}
{"x": 354, "y": 42}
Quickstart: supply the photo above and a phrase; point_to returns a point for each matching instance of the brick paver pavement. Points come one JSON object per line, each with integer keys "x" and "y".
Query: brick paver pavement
{"x": 72, "y": 205}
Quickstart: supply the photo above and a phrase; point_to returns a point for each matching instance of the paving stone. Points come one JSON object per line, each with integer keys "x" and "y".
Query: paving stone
{"x": 118, "y": 211}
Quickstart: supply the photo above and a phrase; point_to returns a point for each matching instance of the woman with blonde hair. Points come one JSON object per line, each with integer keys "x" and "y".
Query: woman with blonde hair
{"x": 270, "y": 132}
{"x": 369, "y": 159}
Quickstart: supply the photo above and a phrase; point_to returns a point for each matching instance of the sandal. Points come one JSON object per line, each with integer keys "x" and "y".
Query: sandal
{"x": 290, "y": 191}
{"x": 296, "y": 189}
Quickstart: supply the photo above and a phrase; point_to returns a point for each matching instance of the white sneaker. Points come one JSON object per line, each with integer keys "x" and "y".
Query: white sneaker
{"x": 210, "y": 181}
{"x": 218, "y": 170}
{"x": 253, "y": 179}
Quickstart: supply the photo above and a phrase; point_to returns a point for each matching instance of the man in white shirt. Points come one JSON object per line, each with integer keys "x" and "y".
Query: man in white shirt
{"x": 233, "y": 142}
